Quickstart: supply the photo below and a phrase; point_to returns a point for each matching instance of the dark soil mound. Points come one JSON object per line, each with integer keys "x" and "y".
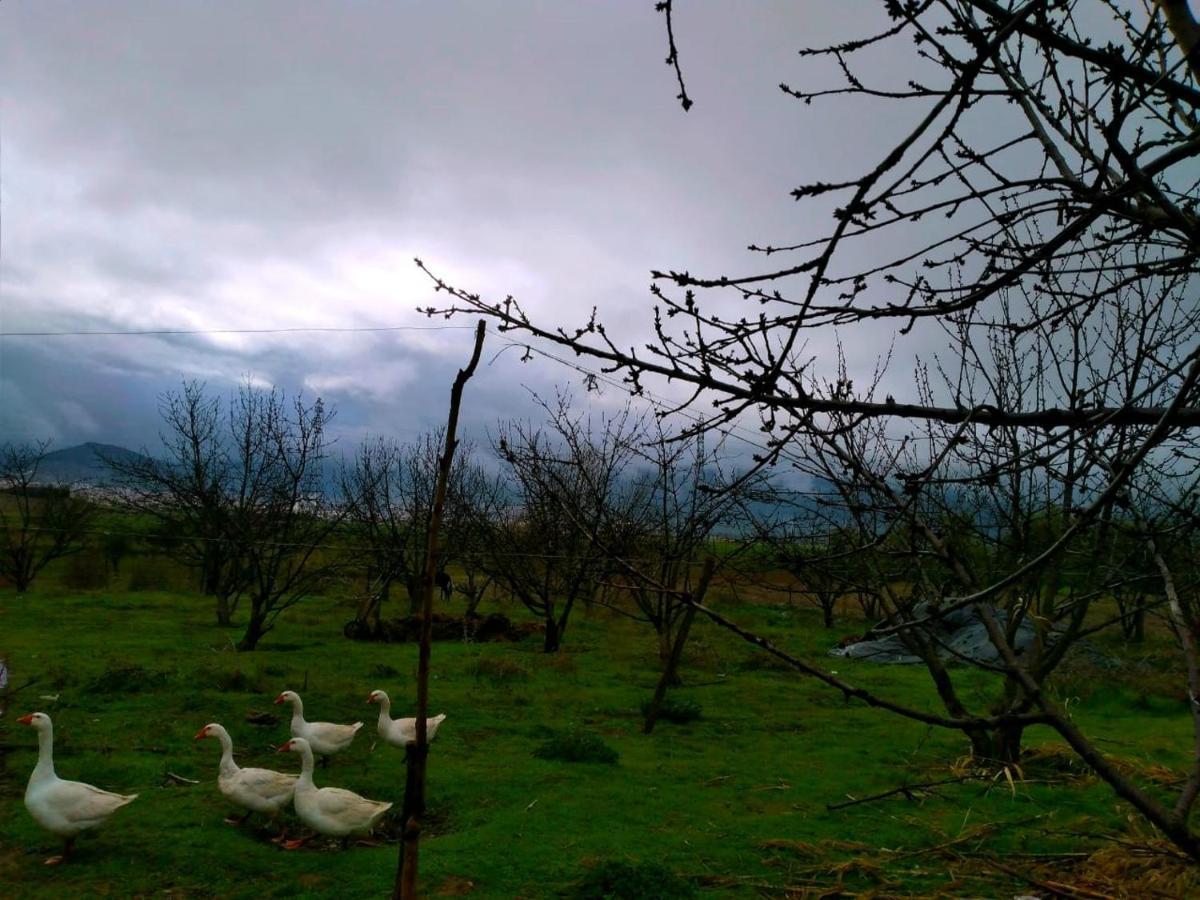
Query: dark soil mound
{"x": 493, "y": 627}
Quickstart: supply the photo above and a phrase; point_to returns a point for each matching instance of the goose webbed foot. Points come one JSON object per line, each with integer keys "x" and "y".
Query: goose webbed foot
{"x": 62, "y": 857}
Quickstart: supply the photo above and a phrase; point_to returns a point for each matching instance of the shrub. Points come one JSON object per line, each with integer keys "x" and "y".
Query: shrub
{"x": 573, "y": 746}
{"x": 126, "y": 679}
{"x": 615, "y": 880}
{"x": 236, "y": 681}
{"x": 673, "y": 710}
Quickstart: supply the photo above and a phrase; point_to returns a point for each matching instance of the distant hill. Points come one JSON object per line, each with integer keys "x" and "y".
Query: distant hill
{"x": 81, "y": 464}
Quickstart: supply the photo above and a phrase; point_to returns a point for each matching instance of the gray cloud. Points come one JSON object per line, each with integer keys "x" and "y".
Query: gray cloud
{"x": 274, "y": 165}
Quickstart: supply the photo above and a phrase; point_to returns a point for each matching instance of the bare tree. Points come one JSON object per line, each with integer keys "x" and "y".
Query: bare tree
{"x": 239, "y": 494}
{"x": 388, "y": 489}
{"x": 685, "y": 495}
{"x": 569, "y": 502}
{"x": 39, "y": 522}
{"x": 190, "y": 486}
{"x": 485, "y": 502}
{"x": 283, "y": 523}
{"x": 1039, "y": 218}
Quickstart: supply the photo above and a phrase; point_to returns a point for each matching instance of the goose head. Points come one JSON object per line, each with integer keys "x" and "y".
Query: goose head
{"x": 37, "y": 720}
{"x": 377, "y": 697}
{"x": 210, "y": 730}
{"x": 293, "y": 745}
{"x": 287, "y": 697}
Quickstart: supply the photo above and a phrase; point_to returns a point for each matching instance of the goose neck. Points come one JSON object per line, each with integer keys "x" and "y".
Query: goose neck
{"x": 228, "y": 766}
{"x": 306, "y": 767}
{"x": 45, "y": 763}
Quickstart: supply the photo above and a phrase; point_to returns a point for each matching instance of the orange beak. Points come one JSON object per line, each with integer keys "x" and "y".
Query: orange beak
{"x": 26, "y": 720}
{"x": 286, "y": 745}
{"x": 202, "y": 733}
{"x": 371, "y": 697}
{"x": 279, "y": 699}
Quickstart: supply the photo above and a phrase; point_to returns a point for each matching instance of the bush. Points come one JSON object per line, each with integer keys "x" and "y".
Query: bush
{"x": 236, "y": 681}
{"x": 612, "y": 880}
{"x": 672, "y": 710}
{"x": 126, "y": 679}
{"x": 575, "y": 746}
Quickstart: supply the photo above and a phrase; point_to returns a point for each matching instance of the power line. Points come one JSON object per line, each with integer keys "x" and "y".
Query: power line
{"x": 366, "y": 329}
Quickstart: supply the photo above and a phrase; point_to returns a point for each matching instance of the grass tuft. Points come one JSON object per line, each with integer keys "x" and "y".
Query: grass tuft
{"x": 127, "y": 678}
{"x": 673, "y": 710}
{"x": 617, "y": 880}
{"x": 497, "y": 671}
{"x": 576, "y": 746}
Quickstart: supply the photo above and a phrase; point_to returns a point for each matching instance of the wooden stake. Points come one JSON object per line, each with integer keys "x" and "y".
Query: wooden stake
{"x": 414, "y": 790}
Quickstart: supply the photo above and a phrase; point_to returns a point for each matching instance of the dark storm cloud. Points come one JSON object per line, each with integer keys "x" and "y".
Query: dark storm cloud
{"x": 277, "y": 165}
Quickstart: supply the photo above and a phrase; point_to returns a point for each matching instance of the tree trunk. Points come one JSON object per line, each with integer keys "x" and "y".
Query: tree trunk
{"x": 255, "y": 629}
{"x": 210, "y": 573}
{"x": 999, "y": 745}
{"x": 664, "y": 642}
{"x": 553, "y": 637}
{"x": 412, "y": 584}
{"x": 670, "y": 671}
{"x": 224, "y": 613}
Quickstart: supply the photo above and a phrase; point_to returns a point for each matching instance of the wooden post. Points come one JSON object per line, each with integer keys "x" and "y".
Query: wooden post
{"x": 414, "y": 789}
{"x": 681, "y": 636}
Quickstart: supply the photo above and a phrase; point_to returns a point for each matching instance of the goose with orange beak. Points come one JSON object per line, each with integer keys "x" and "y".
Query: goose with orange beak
{"x": 333, "y": 812}
{"x": 65, "y": 808}
{"x": 324, "y": 738}
{"x": 255, "y": 790}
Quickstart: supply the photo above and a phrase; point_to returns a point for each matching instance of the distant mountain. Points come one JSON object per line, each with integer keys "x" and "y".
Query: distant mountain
{"x": 82, "y": 464}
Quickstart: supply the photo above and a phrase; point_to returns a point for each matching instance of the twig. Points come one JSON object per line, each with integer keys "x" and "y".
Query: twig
{"x": 179, "y": 779}
{"x": 1056, "y": 888}
{"x": 664, "y": 7}
{"x": 905, "y": 789}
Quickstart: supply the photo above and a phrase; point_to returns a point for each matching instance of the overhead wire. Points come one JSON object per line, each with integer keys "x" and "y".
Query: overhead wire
{"x": 300, "y": 329}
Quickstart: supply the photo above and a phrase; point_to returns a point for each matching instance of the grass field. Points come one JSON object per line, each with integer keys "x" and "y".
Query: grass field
{"x": 734, "y": 802}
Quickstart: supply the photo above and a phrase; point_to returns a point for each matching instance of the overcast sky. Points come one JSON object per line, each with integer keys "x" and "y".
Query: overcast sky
{"x": 256, "y": 165}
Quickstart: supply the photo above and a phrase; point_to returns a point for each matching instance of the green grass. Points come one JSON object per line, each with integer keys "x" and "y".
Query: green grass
{"x": 728, "y": 802}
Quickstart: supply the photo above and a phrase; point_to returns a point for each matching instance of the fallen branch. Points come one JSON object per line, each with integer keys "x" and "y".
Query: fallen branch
{"x": 905, "y": 789}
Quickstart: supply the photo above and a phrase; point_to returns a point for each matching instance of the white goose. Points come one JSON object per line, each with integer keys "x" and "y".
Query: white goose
{"x": 325, "y": 738}
{"x": 401, "y": 732}
{"x": 257, "y": 790}
{"x": 64, "y": 807}
{"x": 333, "y": 812}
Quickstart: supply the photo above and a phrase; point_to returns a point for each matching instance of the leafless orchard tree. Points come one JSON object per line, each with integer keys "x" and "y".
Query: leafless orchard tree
{"x": 39, "y": 522}
{"x": 284, "y": 525}
{"x": 189, "y": 486}
{"x": 684, "y": 492}
{"x": 239, "y": 493}
{"x": 570, "y": 501}
{"x": 1038, "y": 219}
{"x": 388, "y": 492}
{"x": 487, "y": 502}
